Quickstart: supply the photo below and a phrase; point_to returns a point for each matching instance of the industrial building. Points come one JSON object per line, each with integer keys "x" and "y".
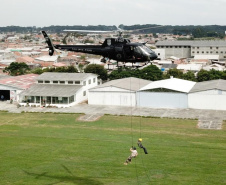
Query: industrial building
{"x": 189, "y": 49}
{"x": 169, "y": 93}
{"x": 12, "y": 86}
{"x": 121, "y": 92}
{"x": 208, "y": 95}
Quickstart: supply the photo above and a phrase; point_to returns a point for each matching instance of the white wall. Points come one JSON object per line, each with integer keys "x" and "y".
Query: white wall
{"x": 111, "y": 97}
{"x": 162, "y": 99}
{"x": 212, "y": 100}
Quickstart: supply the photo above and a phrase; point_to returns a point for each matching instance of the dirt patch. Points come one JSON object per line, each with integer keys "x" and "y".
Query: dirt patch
{"x": 90, "y": 117}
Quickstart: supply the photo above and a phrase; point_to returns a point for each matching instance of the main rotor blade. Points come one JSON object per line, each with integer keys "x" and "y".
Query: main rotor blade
{"x": 88, "y": 31}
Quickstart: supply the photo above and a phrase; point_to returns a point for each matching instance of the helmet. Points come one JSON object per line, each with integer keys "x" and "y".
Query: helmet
{"x": 139, "y": 139}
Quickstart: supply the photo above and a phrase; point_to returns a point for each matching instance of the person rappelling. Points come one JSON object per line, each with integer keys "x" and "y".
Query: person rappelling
{"x": 141, "y": 146}
{"x": 133, "y": 154}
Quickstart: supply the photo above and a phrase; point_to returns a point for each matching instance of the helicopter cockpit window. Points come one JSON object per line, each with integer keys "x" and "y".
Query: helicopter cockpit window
{"x": 146, "y": 49}
{"x": 137, "y": 50}
{"x": 108, "y": 42}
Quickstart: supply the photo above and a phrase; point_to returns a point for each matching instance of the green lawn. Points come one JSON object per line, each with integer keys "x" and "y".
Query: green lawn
{"x": 47, "y": 148}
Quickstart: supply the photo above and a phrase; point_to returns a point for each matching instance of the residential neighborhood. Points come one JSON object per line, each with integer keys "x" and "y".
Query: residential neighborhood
{"x": 66, "y": 89}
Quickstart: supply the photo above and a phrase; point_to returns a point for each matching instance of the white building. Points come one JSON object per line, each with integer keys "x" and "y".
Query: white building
{"x": 208, "y": 95}
{"x": 121, "y": 92}
{"x": 59, "y": 89}
{"x": 169, "y": 93}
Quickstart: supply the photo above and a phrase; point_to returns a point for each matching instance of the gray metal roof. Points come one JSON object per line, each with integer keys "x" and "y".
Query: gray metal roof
{"x": 64, "y": 76}
{"x": 51, "y": 90}
{"x": 192, "y": 43}
{"x": 209, "y": 85}
{"x": 133, "y": 84}
{"x": 169, "y": 66}
{"x": 174, "y": 43}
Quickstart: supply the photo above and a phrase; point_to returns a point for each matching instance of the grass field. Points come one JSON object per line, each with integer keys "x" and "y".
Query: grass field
{"x": 48, "y": 148}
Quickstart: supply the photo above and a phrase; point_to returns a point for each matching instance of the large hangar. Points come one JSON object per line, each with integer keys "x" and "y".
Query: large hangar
{"x": 121, "y": 92}
{"x": 169, "y": 93}
{"x": 208, "y": 95}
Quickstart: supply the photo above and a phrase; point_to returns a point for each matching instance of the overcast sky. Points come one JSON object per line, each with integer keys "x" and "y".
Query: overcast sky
{"x": 111, "y": 12}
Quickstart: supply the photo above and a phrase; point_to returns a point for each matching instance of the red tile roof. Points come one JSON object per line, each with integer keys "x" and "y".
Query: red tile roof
{"x": 21, "y": 82}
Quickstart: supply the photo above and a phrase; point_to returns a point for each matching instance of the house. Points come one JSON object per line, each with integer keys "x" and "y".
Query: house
{"x": 216, "y": 67}
{"x": 59, "y": 89}
{"x": 189, "y": 67}
{"x": 169, "y": 93}
{"x": 120, "y": 92}
{"x": 208, "y": 95}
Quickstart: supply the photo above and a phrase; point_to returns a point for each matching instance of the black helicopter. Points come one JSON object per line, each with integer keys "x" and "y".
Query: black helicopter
{"x": 119, "y": 49}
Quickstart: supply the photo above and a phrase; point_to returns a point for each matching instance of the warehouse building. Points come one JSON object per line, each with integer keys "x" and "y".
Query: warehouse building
{"x": 169, "y": 93}
{"x": 12, "y": 86}
{"x": 121, "y": 92}
{"x": 208, "y": 95}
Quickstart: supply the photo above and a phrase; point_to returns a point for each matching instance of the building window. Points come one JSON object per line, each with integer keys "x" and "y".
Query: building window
{"x": 94, "y": 80}
{"x": 89, "y": 81}
{"x": 166, "y": 46}
{"x": 222, "y": 52}
{"x": 197, "y": 51}
{"x": 77, "y": 82}
{"x": 62, "y": 82}
{"x": 197, "y": 47}
{"x": 175, "y": 46}
{"x": 70, "y": 82}
{"x": 40, "y": 81}
{"x": 193, "y": 52}
{"x": 216, "y": 51}
{"x": 55, "y": 82}
{"x": 185, "y": 46}
{"x": 202, "y": 51}
{"x": 210, "y": 47}
{"x": 211, "y": 52}
{"x": 84, "y": 82}
{"x": 179, "y": 46}
{"x": 84, "y": 93}
{"x": 47, "y": 82}
{"x": 207, "y": 52}
{"x": 216, "y": 47}
{"x": 193, "y": 47}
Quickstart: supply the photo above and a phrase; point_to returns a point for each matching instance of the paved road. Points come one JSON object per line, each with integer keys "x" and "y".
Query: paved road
{"x": 208, "y": 119}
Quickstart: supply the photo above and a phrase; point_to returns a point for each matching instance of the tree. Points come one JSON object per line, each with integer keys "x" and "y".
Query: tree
{"x": 97, "y": 69}
{"x": 189, "y": 76}
{"x": 15, "y": 69}
{"x": 176, "y": 73}
{"x": 214, "y": 74}
{"x": 151, "y": 72}
{"x": 69, "y": 69}
{"x": 203, "y": 75}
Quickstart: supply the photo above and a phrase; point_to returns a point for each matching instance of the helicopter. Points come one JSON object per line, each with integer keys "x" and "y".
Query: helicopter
{"x": 118, "y": 49}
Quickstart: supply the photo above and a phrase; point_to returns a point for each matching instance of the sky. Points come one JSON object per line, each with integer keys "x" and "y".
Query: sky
{"x": 42, "y": 13}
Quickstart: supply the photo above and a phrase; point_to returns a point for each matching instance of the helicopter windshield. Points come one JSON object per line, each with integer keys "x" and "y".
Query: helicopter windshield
{"x": 146, "y": 49}
{"x": 143, "y": 50}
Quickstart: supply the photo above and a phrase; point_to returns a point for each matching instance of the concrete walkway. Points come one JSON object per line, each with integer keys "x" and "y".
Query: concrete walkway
{"x": 207, "y": 119}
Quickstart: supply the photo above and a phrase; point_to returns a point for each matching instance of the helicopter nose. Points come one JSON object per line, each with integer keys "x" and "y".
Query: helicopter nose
{"x": 153, "y": 56}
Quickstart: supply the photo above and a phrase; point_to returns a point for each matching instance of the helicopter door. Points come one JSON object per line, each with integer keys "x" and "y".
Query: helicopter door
{"x": 128, "y": 52}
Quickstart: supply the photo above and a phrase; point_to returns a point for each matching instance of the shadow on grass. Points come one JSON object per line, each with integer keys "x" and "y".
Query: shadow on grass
{"x": 65, "y": 178}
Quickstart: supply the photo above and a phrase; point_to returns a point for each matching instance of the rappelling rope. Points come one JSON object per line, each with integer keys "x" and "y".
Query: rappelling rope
{"x": 131, "y": 123}
{"x": 141, "y": 136}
